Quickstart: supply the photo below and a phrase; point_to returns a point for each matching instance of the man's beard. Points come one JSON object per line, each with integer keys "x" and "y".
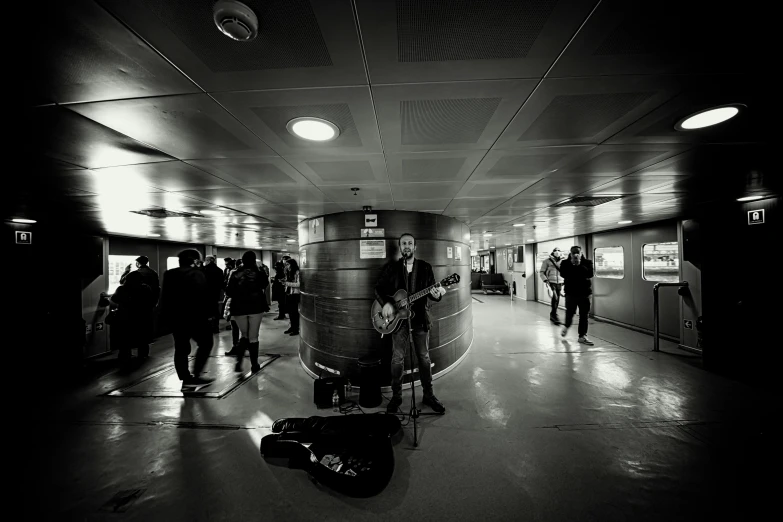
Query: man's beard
{"x": 408, "y": 254}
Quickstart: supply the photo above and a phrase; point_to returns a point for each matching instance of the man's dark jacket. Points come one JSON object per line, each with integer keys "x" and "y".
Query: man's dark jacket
{"x": 214, "y": 280}
{"x": 394, "y": 277}
{"x": 185, "y": 299}
{"x": 150, "y": 278}
{"x": 577, "y": 277}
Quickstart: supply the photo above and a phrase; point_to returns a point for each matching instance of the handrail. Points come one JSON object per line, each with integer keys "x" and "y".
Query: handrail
{"x": 656, "y": 315}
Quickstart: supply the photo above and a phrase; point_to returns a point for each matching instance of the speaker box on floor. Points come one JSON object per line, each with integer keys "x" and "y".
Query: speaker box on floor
{"x": 324, "y": 389}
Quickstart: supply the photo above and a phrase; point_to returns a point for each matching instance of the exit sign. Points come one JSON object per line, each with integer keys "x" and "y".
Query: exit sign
{"x": 24, "y": 238}
{"x": 756, "y": 217}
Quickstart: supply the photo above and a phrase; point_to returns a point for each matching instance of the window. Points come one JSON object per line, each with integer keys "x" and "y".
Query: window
{"x": 220, "y": 263}
{"x": 609, "y": 262}
{"x": 117, "y": 266}
{"x": 661, "y": 261}
{"x": 172, "y": 262}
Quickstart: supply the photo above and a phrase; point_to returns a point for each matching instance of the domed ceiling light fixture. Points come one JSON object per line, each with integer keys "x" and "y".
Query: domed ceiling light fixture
{"x": 235, "y": 20}
{"x": 708, "y": 117}
{"x": 313, "y": 129}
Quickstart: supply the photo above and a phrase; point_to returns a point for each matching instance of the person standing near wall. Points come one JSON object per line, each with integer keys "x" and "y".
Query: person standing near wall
{"x": 292, "y": 295}
{"x": 550, "y": 274}
{"x": 577, "y": 272}
{"x": 278, "y": 290}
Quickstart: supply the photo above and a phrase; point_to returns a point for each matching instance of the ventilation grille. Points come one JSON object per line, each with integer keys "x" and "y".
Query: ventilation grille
{"x": 586, "y": 201}
{"x": 433, "y": 122}
{"x": 445, "y": 30}
{"x": 443, "y": 169}
{"x": 289, "y": 36}
{"x": 164, "y": 213}
{"x": 582, "y": 115}
{"x": 276, "y": 118}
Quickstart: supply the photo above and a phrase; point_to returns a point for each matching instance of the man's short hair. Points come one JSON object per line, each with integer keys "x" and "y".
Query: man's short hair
{"x": 187, "y": 257}
{"x": 577, "y": 248}
{"x": 143, "y": 260}
{"x": 210, "y": 258}
{"x": 399, "y": 241}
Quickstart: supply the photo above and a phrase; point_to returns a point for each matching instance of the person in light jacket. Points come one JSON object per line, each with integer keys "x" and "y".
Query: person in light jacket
{"x": 550, "y": 275}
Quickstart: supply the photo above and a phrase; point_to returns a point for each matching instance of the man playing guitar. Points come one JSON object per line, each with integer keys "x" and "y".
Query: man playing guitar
{"x": 409, "y": 274}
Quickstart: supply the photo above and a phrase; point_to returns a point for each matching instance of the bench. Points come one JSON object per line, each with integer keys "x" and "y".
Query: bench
{"x": 494, "y": 283}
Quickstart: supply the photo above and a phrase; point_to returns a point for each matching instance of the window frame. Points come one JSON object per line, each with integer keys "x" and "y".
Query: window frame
{"x": 677, "y": 243}
{"x": 595, "y": 263}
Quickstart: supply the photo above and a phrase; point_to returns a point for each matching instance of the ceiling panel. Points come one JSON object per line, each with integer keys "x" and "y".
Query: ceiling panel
{"x": 280, "y": 194}
{"x": 84, "y": 54}
{"x": 488, "y": 190}
{"x": 267, "y": 112}
{"x": 422, "y": 205}
{"x": 633, "y": 184}
{"x": 616, "y": 160}
{"x": 171, "y": 176}
{"x": 644, "y": 37}
{"x": 252, "y": 172}
{"x": 65, "y": 136}
{"x": 330, "y": 170}
{"x": 580, "y": 111}
{"x": 187, "y": 127}
{"x": 300, "y": 43}
{"x": 408, "y": 41}
{"x": 95, "y": 182}
{"x": 532, "y": 163}
{"x": 371, "y": 194}
{"x": 222, "y": 197}
{"x": 452, "y": 116}
{"x": 448, "y": 166}
{"x": 410, "y": 191}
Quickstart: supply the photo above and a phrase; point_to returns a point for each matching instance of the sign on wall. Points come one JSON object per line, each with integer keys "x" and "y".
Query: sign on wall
{"x": 449, "y": 252}
{"x": 303, "y": 257}
{"x": 316, "y": 228}
{"x": 370, "y": 220}
{"x": 458, "y": 253}
{"x": 24, "y": 238}
{"x": 372, "y": 249}
{"x": 372, "y": 232}
{"x": 755, "y": 217}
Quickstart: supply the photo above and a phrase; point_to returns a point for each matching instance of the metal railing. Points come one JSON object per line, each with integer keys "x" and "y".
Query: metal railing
{"x": 656, "y": 314}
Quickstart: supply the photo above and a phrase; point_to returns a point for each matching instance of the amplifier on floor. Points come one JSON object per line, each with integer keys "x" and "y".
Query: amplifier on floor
{"x": 324, "y": 389}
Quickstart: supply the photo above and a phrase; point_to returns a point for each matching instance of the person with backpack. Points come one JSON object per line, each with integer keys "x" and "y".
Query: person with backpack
{"x": 246, "y": 289}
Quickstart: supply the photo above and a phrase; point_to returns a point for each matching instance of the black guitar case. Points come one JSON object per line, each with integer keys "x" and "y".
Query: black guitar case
{"x": 351, "y": 454}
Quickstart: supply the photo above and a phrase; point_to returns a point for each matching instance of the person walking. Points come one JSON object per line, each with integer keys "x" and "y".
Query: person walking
{"x": 187, "y": 307}
{"x": 246, "y": 289}
{"x": 215, "y": 283}
{"x": 550, "y": 274}
{"x": 292, "y": 296}
{"x": 577, "y": 271}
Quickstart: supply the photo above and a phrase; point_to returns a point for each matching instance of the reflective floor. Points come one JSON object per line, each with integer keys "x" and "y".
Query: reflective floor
{"x": 537, "y": 428}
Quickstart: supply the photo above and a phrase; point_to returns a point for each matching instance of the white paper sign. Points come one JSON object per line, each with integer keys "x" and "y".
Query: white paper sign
{"x": 372, "y": 249}
{"x": 316, "y": 229}
{"x": 458, "y": 253}
{"x": 303, "y": 257}
{"x": 448, "y": 252}
{"x": 371, "y": 220}
{"x": 372, "y": 232}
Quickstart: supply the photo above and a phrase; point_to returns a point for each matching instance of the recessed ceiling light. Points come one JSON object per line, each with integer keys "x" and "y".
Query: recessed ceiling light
{"x": 519, "y": 224}
{"x": 313, "y": 129}
{"x": 210, "y": 212}
{"x": 290, "y": 241}
{"x": 300, "y": 216}
{"x": 708, "y": 117}
{"x": 530, "y": 240}
{"x": 23, "y": 220}
{"x": 750, "y": 198}
{"x": 507, "y": 244}
{"x": 487, "y": 235}
{"x": 153, "y": 235}
{"x": 625, "y": 222}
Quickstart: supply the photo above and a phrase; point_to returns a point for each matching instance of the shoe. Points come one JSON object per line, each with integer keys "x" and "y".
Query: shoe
{"x": 394, "y": 404}
{"x": 555, "y": 321}
{"x": 238, "y": 367}
{"x": 434, "y": 403}
{"x": 255, "y": 368}
{"x": 585, "y": 340}
{"x": 564, "y": 332}
{"x": 196, "y": 383}
{"x": 288, "y": 331}
{"x": 294, "y": 333}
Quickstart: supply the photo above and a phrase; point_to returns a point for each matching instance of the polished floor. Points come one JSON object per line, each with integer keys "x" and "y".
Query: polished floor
{"x": 537, "y": 428}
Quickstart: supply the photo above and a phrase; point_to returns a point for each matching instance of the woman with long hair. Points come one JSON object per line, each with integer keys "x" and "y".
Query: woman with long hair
{"x": 248, "y": 301}
{"x": 292, "y": 296}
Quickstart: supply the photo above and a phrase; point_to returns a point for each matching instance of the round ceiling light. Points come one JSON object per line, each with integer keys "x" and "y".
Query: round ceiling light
{"x": 235, "y": 20}
{"x": 313, "y": 129}
{"x": 708, "y": 117}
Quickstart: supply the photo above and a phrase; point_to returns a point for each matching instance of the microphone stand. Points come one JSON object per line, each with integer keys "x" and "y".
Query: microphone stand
{"x": 415, "y": 413}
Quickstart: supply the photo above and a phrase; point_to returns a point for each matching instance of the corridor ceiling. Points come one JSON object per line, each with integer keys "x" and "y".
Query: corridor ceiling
{"x": 489, "y": 111}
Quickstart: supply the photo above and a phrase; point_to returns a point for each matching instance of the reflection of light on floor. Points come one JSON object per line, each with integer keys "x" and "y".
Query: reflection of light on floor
{"x": 488, "y": 404}
{"x": 263, "y": 422}
{"x": 661, "y": 401}
{"x": 611, "y": 374}
{"x": 533, "y": 376}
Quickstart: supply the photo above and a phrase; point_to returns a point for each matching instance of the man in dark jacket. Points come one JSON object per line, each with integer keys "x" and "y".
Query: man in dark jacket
{"x": 412, "y": 275}
{"x": 149, "y": 276}
{"x": 215, "y": 283}
{"x": 187, "y": 307}
{"x": 577, "y": 272}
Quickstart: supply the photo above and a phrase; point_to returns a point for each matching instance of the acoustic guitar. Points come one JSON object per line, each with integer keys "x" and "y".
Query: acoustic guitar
{"x": 401, "y": 299}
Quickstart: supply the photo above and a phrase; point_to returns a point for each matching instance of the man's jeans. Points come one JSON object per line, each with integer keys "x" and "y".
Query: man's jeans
{"x": 421, "y": 341}
{"x": 572, "y": 303}
{"x": 201, "y": 333}
{"x": 555, "y": 299}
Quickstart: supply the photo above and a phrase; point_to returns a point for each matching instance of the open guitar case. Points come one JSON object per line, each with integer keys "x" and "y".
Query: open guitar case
{"x": 350, "y": 454}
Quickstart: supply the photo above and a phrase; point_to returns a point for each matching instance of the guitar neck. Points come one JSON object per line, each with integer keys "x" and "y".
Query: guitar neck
{"x": 417, "y": 295}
